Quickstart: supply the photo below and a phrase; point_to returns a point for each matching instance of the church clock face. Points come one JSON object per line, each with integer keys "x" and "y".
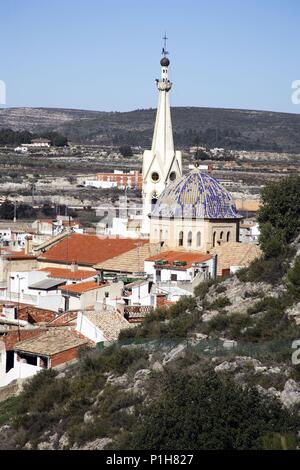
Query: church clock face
{"x": 155, "y": 176}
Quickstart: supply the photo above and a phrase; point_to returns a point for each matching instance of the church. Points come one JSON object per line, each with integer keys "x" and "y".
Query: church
{"x": 181, "y": 212}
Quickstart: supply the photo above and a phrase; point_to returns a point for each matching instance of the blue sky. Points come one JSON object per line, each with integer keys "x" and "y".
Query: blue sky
{"x": 104, "y": 55}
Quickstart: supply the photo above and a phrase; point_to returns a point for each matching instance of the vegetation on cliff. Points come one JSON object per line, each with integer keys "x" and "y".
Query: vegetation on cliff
{"x": 211, "y": 372}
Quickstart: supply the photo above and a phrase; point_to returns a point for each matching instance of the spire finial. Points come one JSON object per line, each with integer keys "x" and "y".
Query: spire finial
{"x": 164, "y": 49}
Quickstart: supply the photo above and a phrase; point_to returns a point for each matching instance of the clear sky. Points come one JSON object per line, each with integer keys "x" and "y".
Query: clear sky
{"x": 104, "y": 54}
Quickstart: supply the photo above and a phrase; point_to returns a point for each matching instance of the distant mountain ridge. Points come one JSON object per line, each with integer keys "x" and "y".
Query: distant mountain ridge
{"x": 217, "y": 127}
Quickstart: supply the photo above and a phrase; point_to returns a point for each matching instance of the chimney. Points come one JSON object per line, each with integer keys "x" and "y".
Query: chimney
{"x": 74, "y": 267}
{"x": 28, "y": 245}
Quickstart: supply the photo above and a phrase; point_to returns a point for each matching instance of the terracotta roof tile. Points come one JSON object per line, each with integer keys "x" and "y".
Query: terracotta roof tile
{"x": 88, "y": 249}
{"x": 61, "y": 273}
{"x": 82, "y": 287}
{"x": 109, "y": 321}
{"x": 50, "y": 343}
{"x": 235, "y": 254}
{"x": 130, "y": 261}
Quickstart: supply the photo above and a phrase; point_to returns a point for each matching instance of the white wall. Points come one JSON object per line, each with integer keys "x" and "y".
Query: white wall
{"x": 21, "y": 370}
{"x": 101, "y": 184}
{"x": 140, "y": 295}
{"x": 52, "y": 301}
{"x": 182, "y": 274}
{"x": 2, "y": 358}
{"x": 88, "y": 329}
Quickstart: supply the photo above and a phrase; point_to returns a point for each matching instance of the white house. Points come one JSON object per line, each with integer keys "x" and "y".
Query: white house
{"x": 139, "y": 293}
{"x": 180, "y": 266}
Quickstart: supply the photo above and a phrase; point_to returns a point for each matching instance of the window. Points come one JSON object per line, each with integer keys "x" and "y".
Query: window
{"x": 198, "y": 238}
{"x": 180, "y": 239}
{"x": 228, "y": 236}
{"x": 155, "y": 176}
{"x": 173, "y": 277}
{"x": 190, "y": 239}
{"x": 214, "y": 239}
{"x": 172, "y": 176}
{"x": 221, "y": 235}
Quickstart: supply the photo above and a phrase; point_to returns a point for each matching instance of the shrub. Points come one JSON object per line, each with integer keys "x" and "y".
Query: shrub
{"x": 293, "y": 278}
{"x": 202, "y": 289}
{"x": 208, "y": 412}
{"x": 220, "y": 303}
{"x": 113, "y": 358}
{"x": 264, "y": 270}
{"x": 262, "y": 305}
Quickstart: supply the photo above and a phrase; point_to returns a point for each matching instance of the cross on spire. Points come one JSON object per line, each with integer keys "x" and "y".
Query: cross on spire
{"x": 164, "y": 49}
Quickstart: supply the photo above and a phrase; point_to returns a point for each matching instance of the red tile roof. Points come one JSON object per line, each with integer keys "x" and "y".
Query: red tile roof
{"x": 16, "y": 255}
{"x": 82, "y": 287}
{"x": 61, "y": 273}
{"x": 189, "y": 257}
{"x": 88, "y": 249}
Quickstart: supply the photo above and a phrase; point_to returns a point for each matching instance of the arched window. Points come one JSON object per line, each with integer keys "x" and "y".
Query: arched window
{"x": 221, "y": 235}
{"x": 160, "y": 235}
{"x": 228, "y": 236}
{"x": 180, "y": 239}
{"x": 190, "y": 239}
{"x": 198, "y": 238}
{"x": 214, "y": 239}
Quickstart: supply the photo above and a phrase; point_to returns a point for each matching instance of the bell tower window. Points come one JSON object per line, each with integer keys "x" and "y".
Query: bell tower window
{"x": 180, "y": 239}
{"x": 198, "y": 238}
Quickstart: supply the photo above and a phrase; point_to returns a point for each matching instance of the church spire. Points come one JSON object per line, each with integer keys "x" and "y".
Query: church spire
{"x": 161, "y": 164}
{"x": 162, "y": 142}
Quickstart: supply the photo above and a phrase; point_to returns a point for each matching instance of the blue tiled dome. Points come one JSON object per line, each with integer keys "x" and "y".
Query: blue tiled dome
{"x": 196, "y": 195}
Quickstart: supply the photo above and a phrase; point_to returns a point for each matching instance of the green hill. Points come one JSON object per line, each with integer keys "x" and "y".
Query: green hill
{"x": 214, "y": 127}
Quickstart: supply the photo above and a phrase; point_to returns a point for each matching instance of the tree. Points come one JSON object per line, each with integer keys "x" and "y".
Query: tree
{"x": 201, "y": 155}
{"x": 56, "y": 139}
{"x": 48, "y": 210}
{"x": 7, "y": 210}
{"x": 279, "y": 215}
{"x": 210, "y": 412}
{"x": 25, "y": 211}
{"x": 272, "y": 240}
{"x": 126, "y": 151}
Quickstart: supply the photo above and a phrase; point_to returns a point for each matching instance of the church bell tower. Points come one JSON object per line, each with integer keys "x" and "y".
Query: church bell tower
{"x": 162, "y": 164}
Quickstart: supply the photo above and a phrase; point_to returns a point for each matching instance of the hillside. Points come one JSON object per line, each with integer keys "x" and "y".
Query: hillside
{"x": 218, "y": 370}
{"x": 211, "y": 372}
{"x": 214, "y": 127}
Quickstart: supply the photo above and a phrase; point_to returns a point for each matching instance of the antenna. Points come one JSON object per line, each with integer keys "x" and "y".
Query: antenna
{"x": 164, "y": 49}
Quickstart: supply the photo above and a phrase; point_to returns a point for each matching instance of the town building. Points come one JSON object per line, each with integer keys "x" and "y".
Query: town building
{"x": 118, "y": 179}
{"x": 249, "y": 231}
{"x": 38, "y": 143}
